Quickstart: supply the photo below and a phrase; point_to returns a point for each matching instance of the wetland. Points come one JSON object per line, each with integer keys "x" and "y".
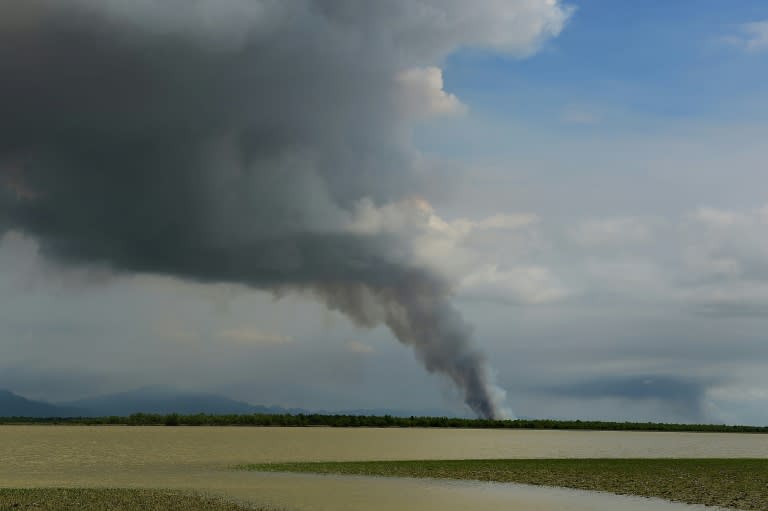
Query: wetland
{"x": 203, "y": 459}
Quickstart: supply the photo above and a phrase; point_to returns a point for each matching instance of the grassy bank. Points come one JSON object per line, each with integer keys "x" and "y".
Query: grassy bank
{"x": 376, "y": 421}
{"x": 58, "y": 499}
{"x": 735, "y": 483}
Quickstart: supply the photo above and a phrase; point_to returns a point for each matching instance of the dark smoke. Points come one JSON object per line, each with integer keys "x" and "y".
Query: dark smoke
{"x": 417, "y": 311}
{"x": 230, "y": 140}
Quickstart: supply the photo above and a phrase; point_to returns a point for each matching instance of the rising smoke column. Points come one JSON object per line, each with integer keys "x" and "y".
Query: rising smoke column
{"x": 232, "y": 140}
{"x": 417, "y": 311}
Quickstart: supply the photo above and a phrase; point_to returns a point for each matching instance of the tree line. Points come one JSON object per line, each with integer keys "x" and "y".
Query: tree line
{"x": 376, "y": 421}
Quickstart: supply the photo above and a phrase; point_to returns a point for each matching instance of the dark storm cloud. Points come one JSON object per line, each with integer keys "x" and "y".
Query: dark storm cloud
{"x": 229, "y": 141}
{"x": 684, "y": 395}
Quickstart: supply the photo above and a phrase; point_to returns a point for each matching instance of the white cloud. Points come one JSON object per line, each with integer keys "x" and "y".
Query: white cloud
{"x": 520, "y": 284}
{"x": 424, "y": 94}
{"x": 398, "y": 217}
{"x": 718, "y": 218}
{"x": 712, "y": 261}
{"x": 725, "y": 260}
{"x": 757, "y": 36}
{"x": 505, "y": 221}
{"x": 484, "y": 258}
{"x": 517, "y": 27}
{"x": 727, "y": 244}
{"x": 751, "y": 37}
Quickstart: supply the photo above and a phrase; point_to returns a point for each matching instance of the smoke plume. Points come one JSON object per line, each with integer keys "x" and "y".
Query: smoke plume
{"x": 234, "y": 141}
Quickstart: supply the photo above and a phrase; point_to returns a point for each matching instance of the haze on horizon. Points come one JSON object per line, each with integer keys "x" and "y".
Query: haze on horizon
{"x": 197, "y": 199}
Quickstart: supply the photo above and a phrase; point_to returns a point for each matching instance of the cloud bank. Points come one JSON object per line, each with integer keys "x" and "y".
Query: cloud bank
{"x": 233, "y": 141}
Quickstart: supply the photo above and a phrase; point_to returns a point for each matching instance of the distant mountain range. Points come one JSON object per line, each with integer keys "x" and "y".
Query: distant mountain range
{"x": 157, "y": 399}
{"x": 162, "y": 400}
{"x": 12, "y": 405}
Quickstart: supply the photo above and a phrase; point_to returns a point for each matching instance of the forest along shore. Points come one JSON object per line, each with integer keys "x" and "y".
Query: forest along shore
{"x": 376, "y": 421}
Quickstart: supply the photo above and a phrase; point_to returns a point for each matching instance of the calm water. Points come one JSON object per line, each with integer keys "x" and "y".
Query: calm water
{"x": 200, "y": 457}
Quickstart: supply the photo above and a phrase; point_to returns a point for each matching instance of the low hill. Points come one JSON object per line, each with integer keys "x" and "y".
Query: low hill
{"x": 163, "y": 400}
{"x": 13, "y": 405}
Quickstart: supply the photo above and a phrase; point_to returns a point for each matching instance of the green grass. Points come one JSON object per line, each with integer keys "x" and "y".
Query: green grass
{"x": 734, "y": 483}
{"x": 80, "y": 499}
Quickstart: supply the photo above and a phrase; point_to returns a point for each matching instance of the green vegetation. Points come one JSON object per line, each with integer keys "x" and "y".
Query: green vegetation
{"x": 735, "y": 483}
{"x": 374, "y": 421}
{"x": 78, "y": 499}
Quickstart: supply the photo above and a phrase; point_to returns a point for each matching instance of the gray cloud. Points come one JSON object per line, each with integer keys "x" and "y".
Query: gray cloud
{"x": 686, "y": 396}
{"x": 54, "y": 383}
{"x": 229, "y": 141}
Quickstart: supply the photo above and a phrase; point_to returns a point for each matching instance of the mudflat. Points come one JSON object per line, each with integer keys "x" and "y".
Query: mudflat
{"x": 202, "y": 458}
{"x": 31, "y": 449}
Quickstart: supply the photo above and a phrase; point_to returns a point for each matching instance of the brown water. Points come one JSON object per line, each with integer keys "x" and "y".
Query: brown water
{"x": 200, "y": 458}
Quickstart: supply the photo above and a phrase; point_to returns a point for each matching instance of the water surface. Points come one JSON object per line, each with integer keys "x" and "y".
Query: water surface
{"x": 202, "y": 457}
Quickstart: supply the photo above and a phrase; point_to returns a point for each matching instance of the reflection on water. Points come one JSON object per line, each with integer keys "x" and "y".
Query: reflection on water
{"x": 199, "y": 457}
{"x": 323, "y": 493}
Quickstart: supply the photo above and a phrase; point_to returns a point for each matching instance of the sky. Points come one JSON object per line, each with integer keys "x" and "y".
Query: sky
{"x": 285, "y": 190}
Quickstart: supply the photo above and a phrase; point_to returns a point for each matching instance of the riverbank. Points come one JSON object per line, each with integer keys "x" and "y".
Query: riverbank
{"x": 733, "y": 483}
